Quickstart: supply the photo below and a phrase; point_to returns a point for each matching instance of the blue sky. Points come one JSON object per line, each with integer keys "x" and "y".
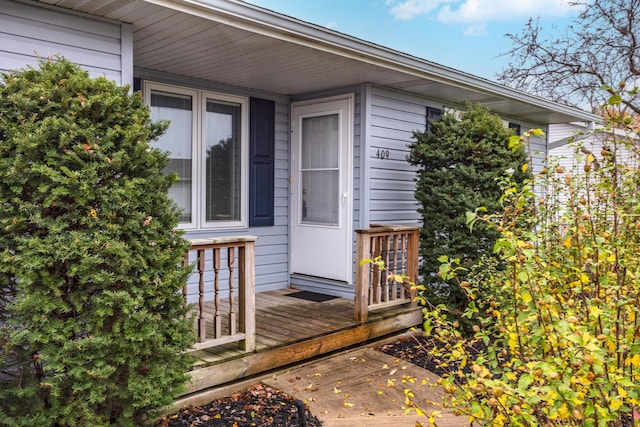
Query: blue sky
{"x": 464, "y": 34}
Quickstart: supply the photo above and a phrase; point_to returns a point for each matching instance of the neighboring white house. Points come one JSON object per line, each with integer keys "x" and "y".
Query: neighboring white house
{"x": 564, "y": 137}
{"x": 281, "y": 129}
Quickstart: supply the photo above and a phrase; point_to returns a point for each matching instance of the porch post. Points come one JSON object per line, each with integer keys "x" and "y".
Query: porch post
{"x": 247, "y": 294}
{"x": 413, "y": 262}
{"x": 361, "y": 302}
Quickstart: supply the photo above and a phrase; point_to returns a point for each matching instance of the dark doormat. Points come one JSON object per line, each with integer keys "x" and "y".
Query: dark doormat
{"x": 311, "y": 296}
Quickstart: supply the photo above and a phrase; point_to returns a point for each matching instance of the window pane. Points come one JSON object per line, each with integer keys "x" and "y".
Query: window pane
{"x": 319, "y": 201}
{"x": 223, "y": 161}
{"x": 320, "y": 142}
{"x": 177, "y": 140}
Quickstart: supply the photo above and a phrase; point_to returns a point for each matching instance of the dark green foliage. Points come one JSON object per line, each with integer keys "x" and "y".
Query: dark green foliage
{"x": 462, "y": 157}
{"x": 93, "y": 327}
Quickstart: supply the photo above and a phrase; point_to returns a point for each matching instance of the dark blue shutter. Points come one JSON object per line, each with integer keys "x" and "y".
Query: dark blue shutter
{"x": 433, "y": 115}
{"x": 261, "y": 161}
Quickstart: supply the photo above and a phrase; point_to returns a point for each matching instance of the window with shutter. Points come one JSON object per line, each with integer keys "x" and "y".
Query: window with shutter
{"x": 207, "y": 141}
{"x": 433, "y": 115}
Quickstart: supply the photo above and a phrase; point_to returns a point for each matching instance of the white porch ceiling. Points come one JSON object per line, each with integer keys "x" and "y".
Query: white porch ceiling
{"x": 235, "y": 43}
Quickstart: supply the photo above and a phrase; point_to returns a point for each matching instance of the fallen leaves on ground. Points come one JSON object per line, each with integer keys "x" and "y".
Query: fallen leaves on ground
{"x": 417, "y": 349}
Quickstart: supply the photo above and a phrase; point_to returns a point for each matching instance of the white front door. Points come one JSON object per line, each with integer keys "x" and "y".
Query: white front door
{"x": 321, "y": 205}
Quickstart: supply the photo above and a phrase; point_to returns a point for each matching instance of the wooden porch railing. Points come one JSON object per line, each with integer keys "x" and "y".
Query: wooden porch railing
{"x": 398, "y": 247}
{"x": 229, "y": 259}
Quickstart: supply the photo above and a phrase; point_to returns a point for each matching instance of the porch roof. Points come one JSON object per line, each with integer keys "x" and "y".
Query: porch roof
{"x": 239, "y": 44}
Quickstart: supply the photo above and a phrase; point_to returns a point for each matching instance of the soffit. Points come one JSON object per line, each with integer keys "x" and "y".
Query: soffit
{"x": 241, "y": 45}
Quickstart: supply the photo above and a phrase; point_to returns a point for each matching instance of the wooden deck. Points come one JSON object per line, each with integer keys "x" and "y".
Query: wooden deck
{"x": 291, "y": 330}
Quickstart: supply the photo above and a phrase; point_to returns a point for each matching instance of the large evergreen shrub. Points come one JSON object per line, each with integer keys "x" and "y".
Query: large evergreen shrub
{"x": 461, "y": 156}
{"x": 93, "y": 325}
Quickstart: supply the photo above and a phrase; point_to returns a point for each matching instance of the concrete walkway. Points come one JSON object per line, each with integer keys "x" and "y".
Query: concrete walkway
{"x": 365, "y": 387}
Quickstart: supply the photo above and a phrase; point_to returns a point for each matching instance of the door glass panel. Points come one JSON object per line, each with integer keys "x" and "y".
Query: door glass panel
{"x": 320, "y": 172}
{"x": 177, "y": 140}
{"x": 320, "y": 143}
{"x": 319, "y": 197}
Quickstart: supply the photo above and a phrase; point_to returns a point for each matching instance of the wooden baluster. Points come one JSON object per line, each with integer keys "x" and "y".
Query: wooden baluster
{"x": 387, "y": 249}
{"x": 378, "y": 279}
{"x": 217, "y": 318}
{"x": 373, "y": 273}
{"x": 403, "y": 250}
{"x": 185, "y": 288}
{"x": 202, "y": 323}
{"x": 394, "y": 291}
{"x": 404, "y": 239}
{"x": 232, "y": 311}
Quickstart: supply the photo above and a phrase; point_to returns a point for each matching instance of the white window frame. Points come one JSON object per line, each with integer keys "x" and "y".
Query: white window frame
{"x": 244, "y": 160}
{"x": 198, "y": 187}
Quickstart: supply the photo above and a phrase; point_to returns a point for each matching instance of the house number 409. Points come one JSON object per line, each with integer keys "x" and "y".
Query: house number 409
{"x": 382, "y": 154}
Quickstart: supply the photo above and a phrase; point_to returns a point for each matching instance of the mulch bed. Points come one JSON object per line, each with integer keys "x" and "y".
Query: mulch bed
{"x": 257, "y": 406}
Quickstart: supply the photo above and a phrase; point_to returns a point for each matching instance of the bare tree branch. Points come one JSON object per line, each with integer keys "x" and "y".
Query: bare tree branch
{"x": 571, "y": 64}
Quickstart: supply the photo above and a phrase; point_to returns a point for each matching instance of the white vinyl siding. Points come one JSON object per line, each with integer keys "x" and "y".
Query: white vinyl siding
{"x": 393, "y": 118}
{"x": 357, "y": 148}
{"x": 593, "y": 140}
{"x": 559, "y": 146}
{"x": 28, "y": 33}
{"x": 537, "y": 145}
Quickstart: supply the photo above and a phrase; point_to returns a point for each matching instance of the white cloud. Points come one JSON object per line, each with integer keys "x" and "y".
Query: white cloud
{"x": 476, "y": 30}
{"x": 475, "y": 12}
{"x": 408, "y": 9}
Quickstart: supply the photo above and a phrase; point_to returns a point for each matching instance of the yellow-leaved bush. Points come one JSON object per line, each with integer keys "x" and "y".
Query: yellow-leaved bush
{"x": 556, "y": 307}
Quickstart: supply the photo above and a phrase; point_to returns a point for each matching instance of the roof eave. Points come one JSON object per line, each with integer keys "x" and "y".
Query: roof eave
{"x": 262, "y": 21}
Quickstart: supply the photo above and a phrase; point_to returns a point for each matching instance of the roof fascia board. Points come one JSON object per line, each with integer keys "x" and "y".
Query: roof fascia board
{"x": 262, "y": 21}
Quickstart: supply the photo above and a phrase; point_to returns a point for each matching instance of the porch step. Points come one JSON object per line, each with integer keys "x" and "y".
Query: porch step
{"x": 447, "y": 420}
{"x": 364, "y": 387}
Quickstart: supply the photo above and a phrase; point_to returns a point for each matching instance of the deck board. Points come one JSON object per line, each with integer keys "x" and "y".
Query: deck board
{"x": 298, "y": 322}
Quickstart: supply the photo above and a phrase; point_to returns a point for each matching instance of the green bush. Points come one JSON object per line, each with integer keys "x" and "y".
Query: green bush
{"x": 461, "y": 157}
{"x": 93, "y": 326}
{"x": 561, "y": 322}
